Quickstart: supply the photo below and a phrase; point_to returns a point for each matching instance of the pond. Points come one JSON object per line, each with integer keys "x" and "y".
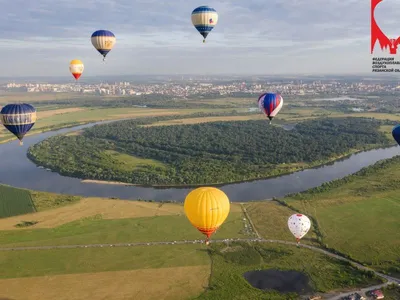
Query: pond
{"x": 281, "y": 281}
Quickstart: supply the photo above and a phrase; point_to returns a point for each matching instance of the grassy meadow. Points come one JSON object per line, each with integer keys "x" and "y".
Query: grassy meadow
{"x": 230, "y": 262}
{"x": 359, "y": 215}
{"x": 177, "y": 271}
{"x": 15, "y": 201}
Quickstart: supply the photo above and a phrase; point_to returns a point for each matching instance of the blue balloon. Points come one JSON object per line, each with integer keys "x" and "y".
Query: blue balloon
{"x": 18, "y": 118}
{"x": 204, "y": 19}
{"x": 103, "y": 41}
{"x": 396, "y": 133}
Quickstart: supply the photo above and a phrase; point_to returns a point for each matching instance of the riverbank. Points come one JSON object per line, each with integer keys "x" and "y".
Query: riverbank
{"x": 315, "y": 165}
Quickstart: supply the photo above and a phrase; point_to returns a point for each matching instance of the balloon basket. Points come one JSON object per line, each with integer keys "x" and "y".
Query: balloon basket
{"x": 21, "y": 143}
{"x": 204, "y": 41}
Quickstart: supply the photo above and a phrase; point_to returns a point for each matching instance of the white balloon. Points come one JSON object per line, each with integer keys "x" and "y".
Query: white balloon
{"x": 299, "y": 225}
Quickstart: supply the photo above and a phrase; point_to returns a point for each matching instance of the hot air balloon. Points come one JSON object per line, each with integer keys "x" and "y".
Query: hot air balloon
{"x": 270, "y": 104}
{"x": 299, "y": 225}
{"x": 204, "y": 18}
{"x": 76, "y": 67}
{"x": 18, "y": 119}
{"x": 207, "y": 208}
{"x": 103, "y": 41}
{"x": 396, "y": 133}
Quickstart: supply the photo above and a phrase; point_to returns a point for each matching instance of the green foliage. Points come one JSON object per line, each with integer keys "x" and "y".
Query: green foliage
{"x": 391, "y": 292}
{"x": 207, "y": 153}
{"x": 15, "y": 202}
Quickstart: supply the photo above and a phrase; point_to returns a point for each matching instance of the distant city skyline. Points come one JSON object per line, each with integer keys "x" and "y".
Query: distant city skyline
{"x": 252, "y": 37}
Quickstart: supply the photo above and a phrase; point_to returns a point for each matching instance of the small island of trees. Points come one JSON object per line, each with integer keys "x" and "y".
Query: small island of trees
{"x": 208, "y": 153}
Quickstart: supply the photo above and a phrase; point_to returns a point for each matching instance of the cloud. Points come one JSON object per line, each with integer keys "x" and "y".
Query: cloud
{"x": 40, "y": 37}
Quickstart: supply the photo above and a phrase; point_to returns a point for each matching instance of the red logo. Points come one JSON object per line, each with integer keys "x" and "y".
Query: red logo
{"x": 211, "y": 21}
{"x": 378, "y": 35}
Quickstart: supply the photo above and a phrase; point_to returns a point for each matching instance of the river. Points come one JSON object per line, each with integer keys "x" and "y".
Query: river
{"x": 18, "y": 171}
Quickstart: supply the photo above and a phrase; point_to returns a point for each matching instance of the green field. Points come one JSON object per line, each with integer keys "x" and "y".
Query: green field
{"x": 270, "y": 219}
{"x": 95, "y": 230}
{"x": 15, "y": 201}
{"x": 359, "y": 215}
{"x": 228, "y": 265}
{"x": 44, "y": 201}
{"x": 74, "y": 261}
{"x": 231, "y": 262}
{"x": 127, "y": 162}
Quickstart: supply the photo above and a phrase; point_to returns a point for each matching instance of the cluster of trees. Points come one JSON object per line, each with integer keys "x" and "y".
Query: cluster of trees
{"x": 216, "y": 152}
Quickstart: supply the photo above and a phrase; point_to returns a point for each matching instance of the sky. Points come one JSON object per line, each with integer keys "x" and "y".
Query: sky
{"x": 39, "y": 38}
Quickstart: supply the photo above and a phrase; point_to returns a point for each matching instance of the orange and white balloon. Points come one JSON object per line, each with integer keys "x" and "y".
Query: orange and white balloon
{"x": 76, "y": 67}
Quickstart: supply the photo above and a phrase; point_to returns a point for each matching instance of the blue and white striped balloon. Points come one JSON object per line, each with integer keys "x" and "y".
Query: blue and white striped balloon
{"x": 103, "y": 41}
{"x": 18, "y": 119}
{"x": 204, "y": 18}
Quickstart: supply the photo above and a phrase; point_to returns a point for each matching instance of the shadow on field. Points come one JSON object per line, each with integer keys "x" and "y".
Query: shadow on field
{"x": 281, "y": 281}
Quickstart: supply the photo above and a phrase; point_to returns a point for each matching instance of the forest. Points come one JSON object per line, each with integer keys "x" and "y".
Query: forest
{"x": 208, "y": 153}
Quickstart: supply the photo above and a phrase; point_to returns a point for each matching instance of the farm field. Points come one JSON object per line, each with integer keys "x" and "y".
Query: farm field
{"x": 206, "y": 120}
{"x": 105, "y": 224}
{"x": 173, "y": 283}
{"x": 95, "y": 230}
{"x": 94, "y": 220}
{"x": 24, "y": 97}
{"x": 61, "y": 270}
{"x": 8, "y": 204}
{"x": 56, "y": 210}
{"x": 270, "y": 219}
{"x": 358, "y": 215}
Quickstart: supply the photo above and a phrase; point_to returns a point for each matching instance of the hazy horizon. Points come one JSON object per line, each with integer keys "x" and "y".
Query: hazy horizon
{"x": 252, "y": 37}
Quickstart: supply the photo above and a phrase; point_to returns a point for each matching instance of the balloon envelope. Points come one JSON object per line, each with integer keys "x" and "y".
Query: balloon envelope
{"x": 18, "y": 118}
{"x": 299, "y": 225}
{"x": 270, "y": 104}
{"x": 76, "y": 67}
{"x": 204, "y": 18}
{"x": 207, "y": 208}
{"x": 396, "y": 133}
{"x": 103, "y": 41}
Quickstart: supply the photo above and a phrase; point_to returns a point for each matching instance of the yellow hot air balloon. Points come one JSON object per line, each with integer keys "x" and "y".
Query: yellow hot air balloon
{"x": 76, "y": 67}
{"x": 207, "y": 208}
